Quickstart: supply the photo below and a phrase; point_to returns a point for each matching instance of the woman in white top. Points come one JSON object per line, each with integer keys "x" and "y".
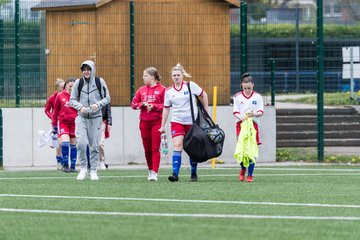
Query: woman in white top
{"x": 177, "y": 97}
{"x": 248, "y": 103}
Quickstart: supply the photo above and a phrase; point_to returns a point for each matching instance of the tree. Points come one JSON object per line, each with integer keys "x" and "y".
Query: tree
{"x": 352, "y": 6}
{"x": 3, "y": 2}
{"x": 270, "y": 3}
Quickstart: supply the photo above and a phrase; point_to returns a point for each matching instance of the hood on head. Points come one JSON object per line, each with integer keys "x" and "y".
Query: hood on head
{"x": 84, "y": 66}
{"x": 91, "y": 64}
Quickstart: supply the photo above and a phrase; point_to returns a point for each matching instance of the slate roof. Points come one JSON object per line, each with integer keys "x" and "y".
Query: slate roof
{"x": 61, "y": 5}
{"x": 68, "y": 4}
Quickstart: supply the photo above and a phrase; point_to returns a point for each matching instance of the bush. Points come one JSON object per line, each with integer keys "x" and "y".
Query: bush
{"x": 305, "y": 31}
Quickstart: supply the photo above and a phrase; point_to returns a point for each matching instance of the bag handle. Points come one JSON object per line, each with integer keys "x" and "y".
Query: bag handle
{"x": 201, "y": 108}
{"x": 204, "y": 113}
{"x": 191, "y": 103}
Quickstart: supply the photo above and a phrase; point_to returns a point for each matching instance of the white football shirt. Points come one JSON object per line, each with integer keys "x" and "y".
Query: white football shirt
{"x": 243, "y": 104}
{"x": 179, "y": 101}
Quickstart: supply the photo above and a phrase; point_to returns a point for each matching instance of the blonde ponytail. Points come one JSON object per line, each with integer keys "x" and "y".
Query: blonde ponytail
{"x": 59, "y": 82}
{"x": 180, "y": 68}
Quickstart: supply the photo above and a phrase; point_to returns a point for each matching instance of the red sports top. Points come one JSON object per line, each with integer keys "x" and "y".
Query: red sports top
{"x": 49, "y": 106}
{"x": 152, "y": 95}
{"x": 63, "y": 112}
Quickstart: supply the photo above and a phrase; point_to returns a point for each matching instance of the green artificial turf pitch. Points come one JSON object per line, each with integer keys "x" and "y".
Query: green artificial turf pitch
{"x": 293, "y": 202}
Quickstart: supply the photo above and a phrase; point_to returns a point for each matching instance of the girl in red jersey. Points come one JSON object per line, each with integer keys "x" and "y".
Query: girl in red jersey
{"x": 65, "y": 115}
{"x": 49, "y": 109}
{"x": 248, "y": 103}
{"x": 150, "y": 100}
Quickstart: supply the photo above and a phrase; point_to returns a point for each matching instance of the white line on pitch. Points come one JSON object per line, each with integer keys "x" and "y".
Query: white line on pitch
{"x": 67, "y": 177}
{"x": 336, "y": 218}
{"x": 183, "y": 201}
{"x": 309, "y": 169}
{"x": 201, "y": 175}
{"x": 296, "y": 169}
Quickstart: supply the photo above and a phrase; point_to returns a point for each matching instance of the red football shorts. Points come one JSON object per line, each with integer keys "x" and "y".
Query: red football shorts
{"x": 178, "y": 129}
{"x": 67, "y": 128}
{"x": 238, "y": 128}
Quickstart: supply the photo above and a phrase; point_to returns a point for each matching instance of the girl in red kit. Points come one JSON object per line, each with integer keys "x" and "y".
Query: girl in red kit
{"x": 150, "y": 100}
{"x": 65, "y": 115}
{"x": 49, "y": 109}
{"x": 49, "y": 106}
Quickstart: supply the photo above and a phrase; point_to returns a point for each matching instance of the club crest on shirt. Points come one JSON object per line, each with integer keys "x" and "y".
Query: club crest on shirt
{"x": 156, "y": 92}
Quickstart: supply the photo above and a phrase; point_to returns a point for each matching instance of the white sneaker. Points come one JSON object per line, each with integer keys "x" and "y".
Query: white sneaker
{"x": 81, "y": 176}
{"x": 149, "y": 175}
{"x": 154, "y": 176}
{"x": 102, "y": 165}
{"x": 93, "y": 175}
{"x": 59, "y": 166}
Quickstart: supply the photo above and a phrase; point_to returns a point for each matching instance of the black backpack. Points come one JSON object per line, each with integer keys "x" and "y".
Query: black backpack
{"x": 98, "y": 85}
{"x": 205, "y": 139}
{"x": 105, "y": 110}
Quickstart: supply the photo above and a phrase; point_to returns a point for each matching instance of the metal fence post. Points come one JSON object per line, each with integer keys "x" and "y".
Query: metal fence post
{"x": 2, "y": 84}
{"x": 273, "y": 86}
{"x": 320, "y": 80}
{"x": 243, "y": 38}
{"x": 297, "y": 57}
{"x": 132, "y": 50}
{"x": 17, "y": 52}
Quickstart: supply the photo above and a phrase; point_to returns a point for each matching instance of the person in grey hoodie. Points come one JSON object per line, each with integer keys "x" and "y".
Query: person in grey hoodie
{"x": 89, "y": 102}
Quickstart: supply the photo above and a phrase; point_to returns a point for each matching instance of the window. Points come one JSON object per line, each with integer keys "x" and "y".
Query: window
{"x": 331, "y": 10}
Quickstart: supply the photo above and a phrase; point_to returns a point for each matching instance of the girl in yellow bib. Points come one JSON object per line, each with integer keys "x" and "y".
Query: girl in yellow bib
{"x": 248, "y": 108}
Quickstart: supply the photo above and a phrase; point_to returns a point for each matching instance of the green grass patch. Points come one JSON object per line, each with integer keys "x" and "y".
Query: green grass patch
{"x": 309, "y": 154}
{"x": 30, "y": 103}
{"x": 124, "y": 205}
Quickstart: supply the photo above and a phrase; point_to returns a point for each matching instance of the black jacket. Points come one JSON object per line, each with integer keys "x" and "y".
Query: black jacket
{"x": 106, "y": 114}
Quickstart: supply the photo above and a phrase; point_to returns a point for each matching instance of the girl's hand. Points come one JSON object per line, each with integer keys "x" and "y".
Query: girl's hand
{"x": 162, "y": 129}
{"x": 94, "y": 106}
{"x": 84, "y": 110}
{"x": 244, "y": 118}
{"x": 250, "y": 114}
{"x": 149, "y": 107}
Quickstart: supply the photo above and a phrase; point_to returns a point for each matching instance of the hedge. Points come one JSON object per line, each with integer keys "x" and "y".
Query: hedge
{"x": 305, "y": 31}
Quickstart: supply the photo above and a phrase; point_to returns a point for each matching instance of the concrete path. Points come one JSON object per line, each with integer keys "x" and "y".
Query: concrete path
{"x": 279, "y": 104}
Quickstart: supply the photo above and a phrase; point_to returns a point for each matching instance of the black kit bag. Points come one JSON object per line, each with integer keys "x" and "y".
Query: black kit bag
{"x": 205, "y": 139}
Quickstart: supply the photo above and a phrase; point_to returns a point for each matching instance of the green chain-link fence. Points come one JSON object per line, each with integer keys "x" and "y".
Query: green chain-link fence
{"x": 284, "y": 36}
{"x": 287, "y": 35}
{"x": 22, "y": 76}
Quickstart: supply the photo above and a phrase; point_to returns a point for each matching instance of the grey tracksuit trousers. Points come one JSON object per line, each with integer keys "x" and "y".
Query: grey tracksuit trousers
{"x": 88, "y": 132}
